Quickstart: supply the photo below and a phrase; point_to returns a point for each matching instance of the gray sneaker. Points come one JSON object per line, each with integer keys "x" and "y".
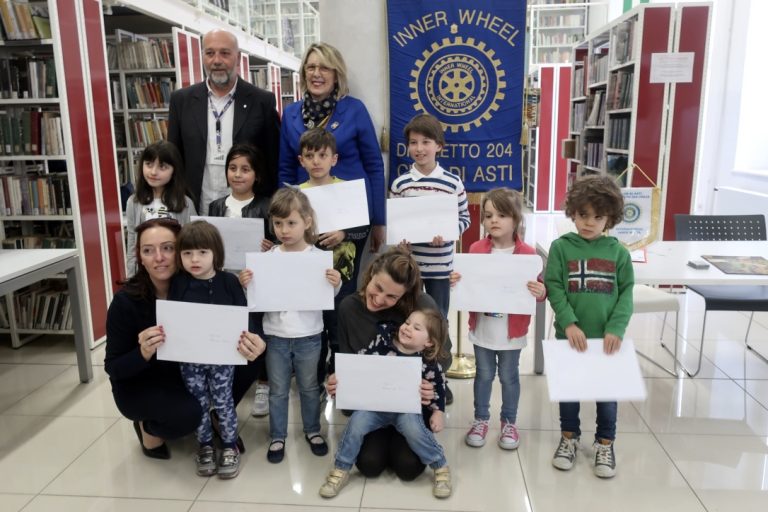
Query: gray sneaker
{"x": 206, "y": 461}
{"x": 605, "y": 460}
{"x": 565, "y": 453}
{"x": 229, "y": 463}
{"x": 335, "y": 480}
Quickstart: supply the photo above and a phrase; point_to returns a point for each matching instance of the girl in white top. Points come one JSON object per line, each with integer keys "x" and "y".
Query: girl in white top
{"x": 293, "y": 337}
{"x": 159, "y": 193}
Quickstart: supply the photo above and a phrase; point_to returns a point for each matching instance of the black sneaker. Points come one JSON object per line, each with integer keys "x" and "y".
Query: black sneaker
{"x": 605, "y": 460}
{"x": 448, "y": 395}
{"x": 206, "y": 461}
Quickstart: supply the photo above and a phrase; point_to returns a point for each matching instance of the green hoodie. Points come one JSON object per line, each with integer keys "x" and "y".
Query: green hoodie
{"x": 589, "y": 283}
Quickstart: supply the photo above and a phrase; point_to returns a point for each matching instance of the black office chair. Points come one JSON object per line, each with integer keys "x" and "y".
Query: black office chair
{"x": 725, "y": 298}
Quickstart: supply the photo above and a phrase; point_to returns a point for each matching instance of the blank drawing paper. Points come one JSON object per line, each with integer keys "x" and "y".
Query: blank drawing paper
{"x": 378, "y": 383}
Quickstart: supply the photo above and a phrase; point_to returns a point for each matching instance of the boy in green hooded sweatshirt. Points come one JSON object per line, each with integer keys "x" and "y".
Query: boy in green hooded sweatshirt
{"x": 589, "y": 281}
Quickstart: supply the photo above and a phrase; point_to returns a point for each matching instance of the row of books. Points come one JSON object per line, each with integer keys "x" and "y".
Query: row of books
{"x": 545, "y": 39}
{"x": 596, "y": 109}
{"x": 593, "y": 153}
{"x": 28, "y": 77}
{"x": 145, "y": 54}
{"x": 148, "y": 92}
{"x": 30, "y": 132}
{"x": 578, "y": 116}
{"x": 545, "y": 56}
{"x": 598, "y": 71}
{"x": 578, "y": 82}
{"x": 561, "y": 20}
{"x": 24, "y": 20}
{"x": 620, "y": 89}
{"x": 148, "y": 131}
{"x": 35, "y": 195}
{"x": 623, "y": 40}
{"x": 41, "y": 306}
{"x": 618, "y": 132}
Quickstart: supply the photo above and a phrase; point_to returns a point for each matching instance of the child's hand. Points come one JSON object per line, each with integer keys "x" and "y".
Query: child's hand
{"x": 266, "y": 244}
{"x": 333, "y": 276}
{"x": 330, "y": 385}
{"x": 576, "y": 338}
{"x": 245, "y": 277}
{"x": 405, "y": 244}
{"x": 437, "y": 421}
{"x": 437, "y": 241}
{"x": 427, "y": 391}
{"x": 331, "y": 239}
{"x": 537, "y": 289}
{"x": 251, "y": 345}
{"x": 453, "y": 278}
{"x": 611, "y": 343}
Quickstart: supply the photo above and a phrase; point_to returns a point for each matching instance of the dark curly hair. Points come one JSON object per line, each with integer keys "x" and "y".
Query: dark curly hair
{"x": 601, "y": 193}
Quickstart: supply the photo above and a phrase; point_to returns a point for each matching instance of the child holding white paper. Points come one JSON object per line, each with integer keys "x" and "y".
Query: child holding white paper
{"x": 159, "y": 193}
{"x": 293, "y": 337}
{"x": 589, "y": 278}
{"x": 426, "y": 139}
{"x": 200, "y": 251}
{"x": 318, "y": 155}
{"x": 246, "y": 178}
{"x": 498, "y": 338}
{"x": 422, "y": 335}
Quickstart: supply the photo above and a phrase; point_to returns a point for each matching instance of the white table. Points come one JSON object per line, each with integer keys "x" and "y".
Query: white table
{"x": 23, "y": 267}
{"x": 666, "y": 264}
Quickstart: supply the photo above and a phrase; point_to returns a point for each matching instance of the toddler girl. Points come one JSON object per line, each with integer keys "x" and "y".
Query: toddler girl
{"x": 159, "y": 193}
{"x": 293, "y": 337}
{"x": 499, "y": 338}
{"x": 422, "y": 335}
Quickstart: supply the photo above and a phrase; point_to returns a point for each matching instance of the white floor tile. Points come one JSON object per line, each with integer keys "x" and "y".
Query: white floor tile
{"x": 14, "y": 502}
{"x": 65, "y": 395}
{"x": 35, "y": 449}
{"x": 18, "y": 381}
{"x": 48, "y": 349}
{"x": 758, "y": 389}
{"x": 728, "y": 473}
{"x": 220, "y": 506}
{"x": 81, "y": 503}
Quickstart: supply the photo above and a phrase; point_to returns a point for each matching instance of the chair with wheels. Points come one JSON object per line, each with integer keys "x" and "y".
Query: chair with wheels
{"x": 725, "y": 298}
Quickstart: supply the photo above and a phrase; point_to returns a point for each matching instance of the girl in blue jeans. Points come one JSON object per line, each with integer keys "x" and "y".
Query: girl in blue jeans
{"x": 293, "y": 337}
{"x": 423, "y": 335}
{"x": 498, "y": 338}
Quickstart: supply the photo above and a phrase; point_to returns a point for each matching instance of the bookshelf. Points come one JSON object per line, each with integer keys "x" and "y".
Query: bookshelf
{"x": 35, "y": 202}
{"x": 142, "y": 77}
{"x": 544, "y": 175}
{"x": 620, "y": 116}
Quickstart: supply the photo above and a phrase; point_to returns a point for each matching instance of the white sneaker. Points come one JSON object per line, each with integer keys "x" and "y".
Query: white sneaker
{"x": 605, "y": 460}
{"x": 261, "y": 401}
{"x": 565, "y": 454}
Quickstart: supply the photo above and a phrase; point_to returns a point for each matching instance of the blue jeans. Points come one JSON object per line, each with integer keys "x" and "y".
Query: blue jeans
{"x": 286, "y": 356}
{"x": 509, "y": 376}
{"x": 440, "y": 291}
{"x": 606, "y": 419}
{"x": 420, "y": 439}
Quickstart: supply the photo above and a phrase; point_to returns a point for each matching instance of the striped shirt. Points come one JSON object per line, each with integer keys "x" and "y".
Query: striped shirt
{"x": 434, "y": 262}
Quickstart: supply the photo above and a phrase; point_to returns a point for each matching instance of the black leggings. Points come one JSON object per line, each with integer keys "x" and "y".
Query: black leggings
{"x": 165, "y": 407}
{"x": 384, "y": 448}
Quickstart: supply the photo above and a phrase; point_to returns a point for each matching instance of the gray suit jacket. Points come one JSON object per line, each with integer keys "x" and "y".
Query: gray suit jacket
{"x": 256, "y": 122}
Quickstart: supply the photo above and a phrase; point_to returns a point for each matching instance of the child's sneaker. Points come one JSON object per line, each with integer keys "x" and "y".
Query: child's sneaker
{"x": 565, "y": 453}
{"x": 261, "y": 401}
{"x": 335, "y": 480}
{"x": 509, "y": 439}
{"x": 477, "y": 432}
{"x": 442, "y": 486}
{"x": 605, "y": 460}
{"x": 229, "y": 463}
{"x": 206, "y": 461}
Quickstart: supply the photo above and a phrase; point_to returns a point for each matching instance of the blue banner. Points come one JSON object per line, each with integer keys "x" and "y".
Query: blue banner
{"x": 463, "y": 62}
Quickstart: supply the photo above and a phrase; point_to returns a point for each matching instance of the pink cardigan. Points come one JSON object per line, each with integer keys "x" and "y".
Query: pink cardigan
{"x": 517, "y": 324}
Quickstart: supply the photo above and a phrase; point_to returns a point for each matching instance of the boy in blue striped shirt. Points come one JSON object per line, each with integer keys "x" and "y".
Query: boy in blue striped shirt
{"x": 425, "y": 138}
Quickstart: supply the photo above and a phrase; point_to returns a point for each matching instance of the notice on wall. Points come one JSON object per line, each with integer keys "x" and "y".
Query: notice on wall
{"x": 672, "y": 67}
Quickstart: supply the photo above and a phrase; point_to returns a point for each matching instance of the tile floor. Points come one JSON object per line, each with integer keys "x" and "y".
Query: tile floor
{"x": 693, "y": 445}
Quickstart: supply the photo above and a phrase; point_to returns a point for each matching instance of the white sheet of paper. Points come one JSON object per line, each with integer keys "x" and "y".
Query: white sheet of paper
{"x": 240, "y": 237}
{"x": 201, "y": 333}
{"x": 676, "y": 67}
{"x": 420, "y": 219}
{"x": 339, "y": 205}
{"x": 378, "y": 383}
{"x": 495, "y": 283}
{"x": 289, "y": 281}
{"x": 592, "y": 375}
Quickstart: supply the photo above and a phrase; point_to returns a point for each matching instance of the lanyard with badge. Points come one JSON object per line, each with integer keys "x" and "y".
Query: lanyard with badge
{"x": 217, "y": 116}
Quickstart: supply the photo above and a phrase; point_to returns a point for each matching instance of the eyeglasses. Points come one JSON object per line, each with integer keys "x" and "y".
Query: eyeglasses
{"x": 322, "y": 69}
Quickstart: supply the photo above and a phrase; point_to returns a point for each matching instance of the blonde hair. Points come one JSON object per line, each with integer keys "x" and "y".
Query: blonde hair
{"x": 329, "y": 57}
{"x": 288, "y": 199}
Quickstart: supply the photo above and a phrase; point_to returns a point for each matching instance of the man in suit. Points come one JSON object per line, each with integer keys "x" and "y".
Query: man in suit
{"x": 207, "y": 118}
